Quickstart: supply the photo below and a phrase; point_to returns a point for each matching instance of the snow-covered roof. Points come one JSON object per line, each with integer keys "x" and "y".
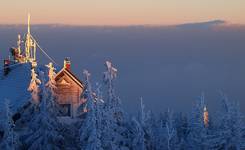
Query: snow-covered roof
{"x": 14, "y": 87}
{"x": 71, "y": 75}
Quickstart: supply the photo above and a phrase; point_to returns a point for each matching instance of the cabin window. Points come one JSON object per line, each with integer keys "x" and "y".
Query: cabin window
{"x": 65, "y": 109}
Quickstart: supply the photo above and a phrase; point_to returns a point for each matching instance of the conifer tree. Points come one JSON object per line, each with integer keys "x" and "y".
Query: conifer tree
{"x": 90, "y": 131}
{"x": 230, "y": 125}
{"x": 146, "y": 120}
{"x": 171, "y": 134}
{"x": 198, "y": 133}
{"x": 44, "y": 127}
{"x": 143, "y": 129}
{"x": 138, "y": 142}
{"x": 113, "y": 102}
{"x": 34, "y": 86}
{"x": 114, "y": 114}
{"x": 10, "y": 138}
{"x": 51, "y": 84}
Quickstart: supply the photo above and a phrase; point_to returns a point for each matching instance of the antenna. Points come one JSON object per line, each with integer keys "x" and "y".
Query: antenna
{"x": 19, "y": 44}
{"x": 29, "y": 18}
{"x": 28, "y": 39}
{"x": 29, "y": 46}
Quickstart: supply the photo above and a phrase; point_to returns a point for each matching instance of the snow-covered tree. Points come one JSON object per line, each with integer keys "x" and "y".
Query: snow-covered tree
{"x": 90, "y": 131}
{"x": 145, "y": 127}
{"x": 114, "y": 115}
{"x": 34, "y": 86}
{"x": 113, "y": 101}
{"x": 137, "y": 127}
{"x": 51, "y": 84}
{"x": 181, "y": 125}
{"x": 109, "y": 75}
{"x": 149, "y": 127}
{"x": 10, "y": 138}
{"x": 99, "y": 94}
{"x": 160, "y": 141}
{"x": 230, "y": 125}
{"x": 198, "y": 133}
{"x": 49, "y": 92}
{"x": 171, "y": 133}
{"x": 45, "y": 131}
{"x": 138, "y": 142}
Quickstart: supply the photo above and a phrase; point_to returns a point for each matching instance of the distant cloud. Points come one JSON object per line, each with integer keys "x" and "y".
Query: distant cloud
{"x": 206, "y": 24}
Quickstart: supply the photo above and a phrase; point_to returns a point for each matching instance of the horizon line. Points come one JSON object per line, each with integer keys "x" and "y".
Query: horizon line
{"x": 221, "y": 22}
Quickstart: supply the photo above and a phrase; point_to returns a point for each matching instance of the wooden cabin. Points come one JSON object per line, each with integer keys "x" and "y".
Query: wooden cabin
{"x": 69, "y": 90}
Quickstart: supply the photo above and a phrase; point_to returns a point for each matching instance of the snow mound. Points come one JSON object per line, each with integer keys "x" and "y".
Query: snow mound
{"x": 14, "y": 87}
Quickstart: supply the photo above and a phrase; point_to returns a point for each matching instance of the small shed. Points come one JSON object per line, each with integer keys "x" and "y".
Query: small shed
{"x": 69, "y": 90}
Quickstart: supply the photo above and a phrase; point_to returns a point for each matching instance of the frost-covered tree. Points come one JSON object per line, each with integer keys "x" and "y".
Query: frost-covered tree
{"x": 90, "y": 131}
{"x": 49, "y": 92}
{"x": 230, "y": 126}
{"x": 198, "y": 133}
{"x": 10, "y": 138}
{"x": 115, "y": 132}
{"x": 160, "y": 141}
{"x": 99, "y": 94}
{"x": 145, "y": 127}
{"x": 138, "y": 142}
{"x": 181, "y": 126}
{"x": 147, "y": 120}
{"x": 34, "y": 86}
{"x": 171, "y": 133}
{"x": 113, "y": 101}
{"x": 51, "y": 84}
{"x": 44, "y": 128}
{"x": 137, "y": 128}
{"x": 243, "y": 135}
{"x": 109, "y": 75}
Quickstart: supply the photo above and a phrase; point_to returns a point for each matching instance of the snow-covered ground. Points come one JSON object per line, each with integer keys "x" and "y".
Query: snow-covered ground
{"x": 14, "y": 86}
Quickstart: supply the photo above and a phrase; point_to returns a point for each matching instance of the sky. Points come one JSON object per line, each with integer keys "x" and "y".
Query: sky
{"x": 121, "y": 12}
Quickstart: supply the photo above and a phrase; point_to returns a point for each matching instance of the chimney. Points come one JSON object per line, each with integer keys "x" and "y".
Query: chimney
{"x": 67, "y": 63}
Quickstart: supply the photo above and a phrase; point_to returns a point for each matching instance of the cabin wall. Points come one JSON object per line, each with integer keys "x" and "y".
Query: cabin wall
{"x": 69, "y": 94}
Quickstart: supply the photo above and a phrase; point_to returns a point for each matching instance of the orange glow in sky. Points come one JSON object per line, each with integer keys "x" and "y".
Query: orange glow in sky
{"x": 121, "y": 12}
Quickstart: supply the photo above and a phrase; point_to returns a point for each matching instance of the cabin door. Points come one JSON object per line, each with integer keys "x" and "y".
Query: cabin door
{"x": 65, "y": 110}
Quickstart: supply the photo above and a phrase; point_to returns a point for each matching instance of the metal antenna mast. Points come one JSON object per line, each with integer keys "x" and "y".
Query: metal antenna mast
{"x": 30, "y": 45}
{"x": 28, "y": 39}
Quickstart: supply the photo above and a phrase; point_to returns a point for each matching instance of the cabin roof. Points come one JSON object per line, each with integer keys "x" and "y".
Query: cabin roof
{"x": 64, "y": 71}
